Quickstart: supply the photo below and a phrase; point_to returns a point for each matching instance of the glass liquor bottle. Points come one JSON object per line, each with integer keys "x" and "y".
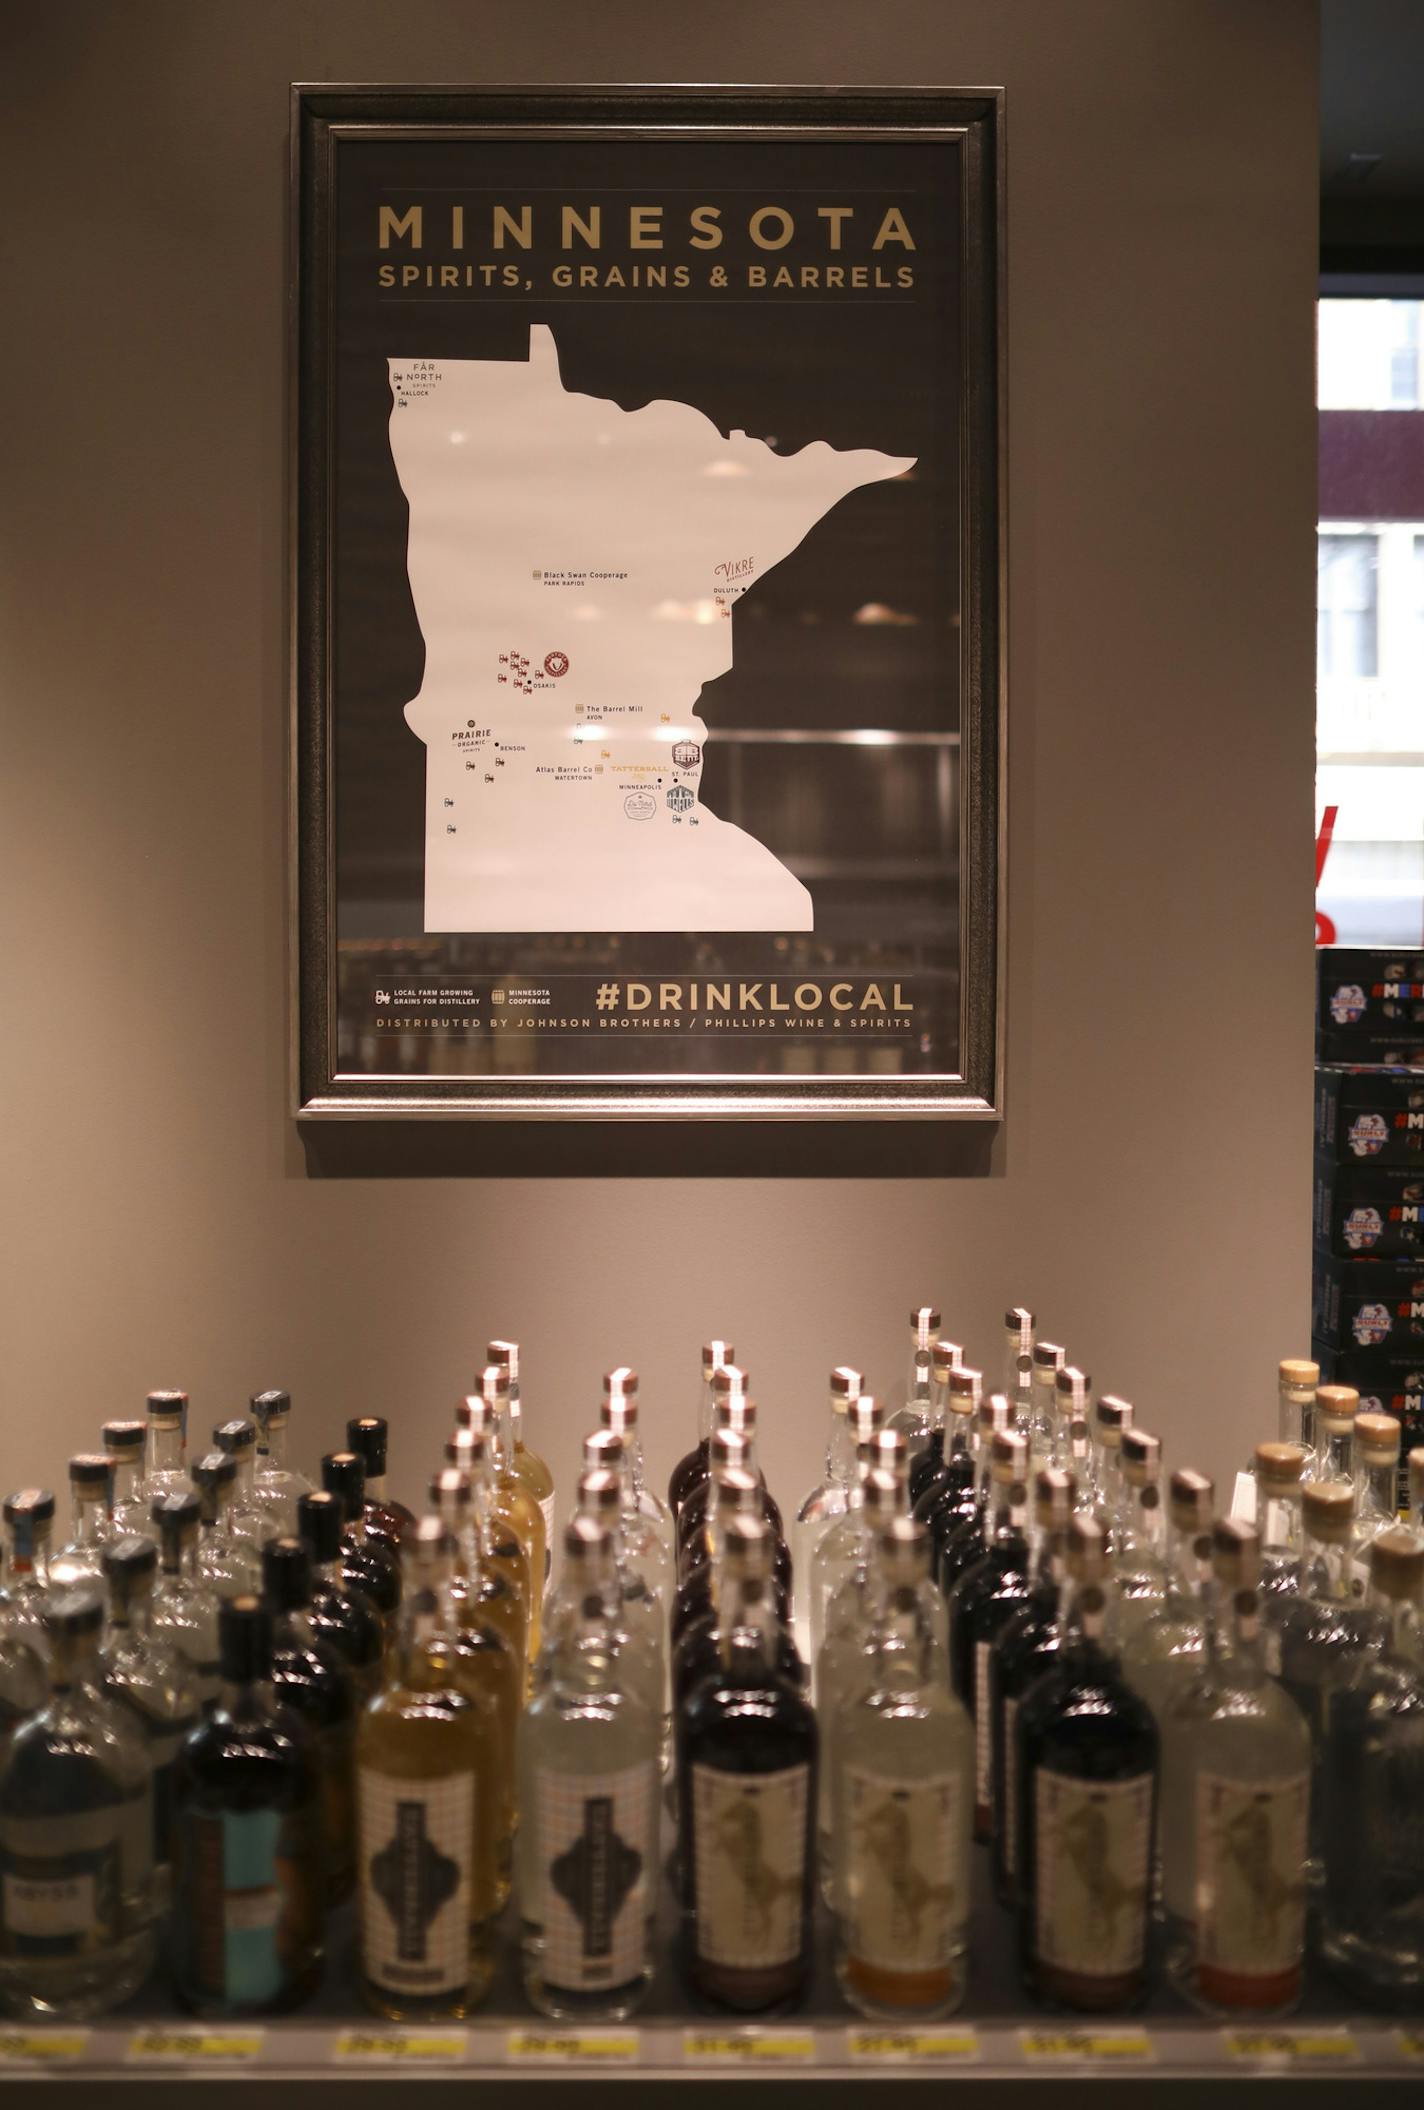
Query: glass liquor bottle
{"x": 902, "y": 1795}
{"x": 1335, "y": 1409}
{"x": 129, "y": 1508}
{"x": 953, "y": 1495}
{"x": 530, "y": 1470}
{"x": 1024, "y": 1647}
{"x": 913, "y": 1412}
{"x": 1325, "y": 1630}
{"x": 950, "y": 1473}
{"x": 1235, "y": 1793}
{"x": 619, "y": 1412}
{"x": 1372, "y": 1922}
{"x": 513, "y": 1499}
{"x": 77, "y": 1933}
{"x": 1278, "y": 1470}
{"x": 513, "y": 1525}
{"x": 22, "y": 1673}
{"x": 692, "y": 1467}
{"x": 147, "y": 1676}
{"x": 387, "y": 1520}
{"x": 1087, "y": 1767}
{"x": 738, "y": 1494}
{"x": 183, "y": 1610}
{"x": 248, "y": 1926}
{"x": 748, "y": 1541}
{"x": 830, "y": 1497}
{"x": 429, "y": 1799}
{"x": 367, "y": 1565}
{"x": 311, "y": 1677}
{"x": 984, "y": 1598}
{"x": 344, "y": 1618}
{"x": 961, "y": 1537}
{"x": 641, "y": 1546}
{"x": 1048, "y": 1360}
{"x": 741, "y": 1421}
{"x": 842, "y": 1545}
{"x": 1295, "y": 1409}
{"x": 29, "y": 1521}
{"x": 731, "y": 1452}
{"x": 1375, "y": 1462}
{"x": 1166, "y": 1650}
{"x": 747, "y": 1801}
{"x": 1140, "y": 1568}
{"x": 277, "y": 1487}
{"x": 487, "y": 1622}
{"x": 589, "y": 1774}
{"x": 1111, "y": 1420}
{"x": 228, "y": 1565}
{"x": 462, "y": 1505}
{"x": 927, "y": 1466}
{"x": 1020, "y": 1328}
{"x": 80, "y": 1561}
{"x": 166, "y": 1467}
{"x": 643, "y": 1615}
{"x": 247, "y": 1517}
{"x": 1072, "y": 1394}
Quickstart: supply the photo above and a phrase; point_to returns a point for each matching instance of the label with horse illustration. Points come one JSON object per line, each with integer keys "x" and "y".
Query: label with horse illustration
{"x": 749, "y": 1834}
{"x": 1250, "y": 1873}
{"x": 1093, "y": 1854}
{"x": 907, "y": 1888}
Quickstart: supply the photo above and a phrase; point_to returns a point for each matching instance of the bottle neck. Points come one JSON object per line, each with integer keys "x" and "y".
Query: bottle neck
{"x": 328, "y": 1576}
{"x": 74, "y": 1660}
{"x": 1010, "y": 1515}
{"x": 127, "y": 1473}
{"x": 90, "y": 1512}
{"x": 166, "y": 1447}
{"x": 918, "y": 1386}
{"x": 246, "y": 1474}
{"x": 902, "y": 1638}
{"x": 1376, "y": 1493}
{"x": 840, "y": 1450}
{"x": 179, "y": 1554}
{"x": 1332, "y": 1455}
{"x": 245, "y": 1699}
{"x": 1295, "y": 1416}
{"x": 959, "y": 1439}
{"x": 1234, "y": 1635}
{"x": 1081, "y": 1613}
{"x": 1405, "y": 1620}
{"x": 1148, "y": 1523}
{"x": 1187, "y": 1562}
{"x": 272, "y": 1444}
{"x": 27, "y": 1564}
{"x": 1328, "y": 1571}
{"x": 749, "y": 1628}
{"x": 1050, "y": 1552}
{"x": 1278, "y": 1521}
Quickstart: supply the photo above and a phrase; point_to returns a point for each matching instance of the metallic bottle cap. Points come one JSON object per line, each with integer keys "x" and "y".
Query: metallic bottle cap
{"x": 925, "y": 1323}
{"x": 1087, "y": 1550}
{"x": 124, "y": 1439}
{"x": 1019, "y": 1323}
{"x": 1054, "y": 1493}
{"x": 1299, "y": 1376}
{"x": 1377, "y": 1439}
{"x": 865, "y": 1416}
{"x": 286, "y": 1574}
{"x": 623, "y": 1379}
{"x": 845, "y": 1385}
{"x": 715, "y": 1354}
{"x": 1281, "y": 1466}
{"x": 1110, "y": 1417}
{"x": 494, "y": 1385}
{"x": 728, "y": 1378}
{"x": 368, "y": 1436}
{"x": 319, "y": 1518}
{"x": 737, "y": 1490}
{"x": 1336, "y": 1407}
{"x": 29, "y": 1506}
{"x": 1048, "y": 1359}
{"x": 267, "y": 1407}
{"x": 70, "y": 1613}
{"x": 966, "y": 1390}
{"x": 91, "y": 1472}
{"x": 886, "y": 1449}
{"x": 1235, "y": 1553}
{"x": 1141, "y": 1457}
{"x": 129, "y": 1564}
{"x": 235, "y": 1437}
{"x": 1397, "y": 1564}
{"x": 344, "y": 1475}
{"x": 600, "y": 1494}
{"x": 1328, "y": 1510}
{"x": 1191, "y": 1496}
{"x": 945, "y": 1357}
{"x": 619, "y": 1411}
{"x": 168, "y": 1409}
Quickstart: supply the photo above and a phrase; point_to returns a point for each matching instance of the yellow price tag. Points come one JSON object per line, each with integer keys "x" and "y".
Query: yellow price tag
{"x": 907, "y": 2045}
{"x": 43, "y": 2044}
{"x": 1322, "y": 2045}
{"x": 574, "y": 2045}
{"x": 400, "y": 2044}
{"x": 198, "y": 2044}
{"x": 1085, "y": 2044}
{"x": 1410, "y": 2042}
{"x": 749, "y": 2047}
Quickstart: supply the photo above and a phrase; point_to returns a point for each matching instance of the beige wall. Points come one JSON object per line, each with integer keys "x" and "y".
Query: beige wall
{"x": 1149, "y": 1191}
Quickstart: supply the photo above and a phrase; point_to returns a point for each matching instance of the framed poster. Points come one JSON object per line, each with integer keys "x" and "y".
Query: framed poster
{"x": 648, "y": 621}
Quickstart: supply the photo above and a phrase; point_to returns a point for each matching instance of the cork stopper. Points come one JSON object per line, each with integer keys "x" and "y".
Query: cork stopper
{"x": 993, "y": 1414}
{"x": 604, "y": 1451}
{"x": 1336, "y": 1407}
{"x": 1280, "y": 1467}
{"x": 1009, "y": 1456}
{"x": 1377, "y": 1439}
{"x": 1110, "y": 1417}
{"x": 846, "y": 1384}
{"x": 1328, "y": 1510}
{"x": 944, "y": 1357}
{"x": 1235, "y": 1553}
{"x": 1141, "y": 1457}
{"x": 728, "y": 1377}
{"x": 1297, "y": 1375}
{"x": 1071, "y": 1387}
{"x": 1191, "y": 1496}
{"x": 1019, "y": 1324}
{"x": 966, "y": 1391}
{"x": 1054, "y": 1493}
{"x": 1048, "y": 1360}
{"x": 715, "y": 1354}
{"x": 1397, "y": 1565}
{"x": 925, "y": 1324}
{"x": 727, "y": 1448}
{"x": 865, "y": 1416}
{"x": 616, "y": 1383}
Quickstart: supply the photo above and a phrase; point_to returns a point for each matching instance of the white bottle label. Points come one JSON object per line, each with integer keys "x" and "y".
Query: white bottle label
{"x": 749, "y": 1846}
{"x": 50, "y": 1908}
{"x": 983, "y": 1728}
{"x": 1009, "y": 1815}
{"x": 1093, "y": 1858}
{"x": 908, "y": 1877}
{"x": 1250, "y": 1859}
{"x": 417, "y": 1845}
{"x": 597, "y": 1873}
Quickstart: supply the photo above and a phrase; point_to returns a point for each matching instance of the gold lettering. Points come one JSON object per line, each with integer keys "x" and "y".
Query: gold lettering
{"x": 457, "y": 226}
{"x": 776, "y": 1003}
{"x": 835, "y": 214}
{"x": 840, "y": 997}
{"x": 637, "y": 996}
{"x": 669, "y": 997}
{"x": 899, "y": 1003}
{"x": 718, "y": 996}
{"x": 808, "y": 996}
{"x": 400, "y": 226}
{"x": 758, "y": 221}
{"x": 645, "y": 227}
{"x": 707, "y": 234}
{"x": 893, "y": 229}
{"x": 872, "y": 999}
{"x": 589, "y": 231}
{"x": 520, "y": 230}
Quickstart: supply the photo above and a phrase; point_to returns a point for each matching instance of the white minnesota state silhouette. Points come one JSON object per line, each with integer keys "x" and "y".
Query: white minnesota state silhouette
{"x": 574, "y": 568}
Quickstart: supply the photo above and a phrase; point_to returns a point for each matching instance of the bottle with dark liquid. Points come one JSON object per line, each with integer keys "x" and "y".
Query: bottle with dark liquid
{"x": 727, "y": 1384}
{"x": 928, "y": 1466}
{"x": 386, "y": 1519}
{"x": 747, "y": 1794}
{"x": 311, "y": 1677}
{"x": 367, "y": 1565}
{"x": 986, "y": 1595}
{"x": 342, "y": 1617}
{"x": 1023, "y": 1649}
{"x": 698, "y": 1653}
{"x": 738, "y": 1493}
{"x": 741, "y": 1420}
{"x": 692, "y": 1468}
{"x": 960, "y": 1530}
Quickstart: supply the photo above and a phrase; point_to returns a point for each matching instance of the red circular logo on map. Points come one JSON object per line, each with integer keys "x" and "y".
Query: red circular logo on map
{"x": 556, "y": 663}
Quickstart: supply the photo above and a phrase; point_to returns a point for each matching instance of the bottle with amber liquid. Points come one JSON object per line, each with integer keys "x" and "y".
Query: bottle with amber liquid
{"x": 487, "y": 1622}
{"x": 528, "y": 1467}
{"x": 312, "y": 1679}
{"x": 386, "y": 1519}
{"x": 471, "y": 1452}
{"x": 367, "y": 1565}
{"x": 513, "y": 1498}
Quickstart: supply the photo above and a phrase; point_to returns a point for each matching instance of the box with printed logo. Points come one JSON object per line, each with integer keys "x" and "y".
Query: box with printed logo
{"x": 1370, "y": 1116}
{"x": 1375, "y": 1210}
{"x": 1369, "y": 1304}
{"x": 1388, "y": 1383}
{"x": 1370, "y": 1005}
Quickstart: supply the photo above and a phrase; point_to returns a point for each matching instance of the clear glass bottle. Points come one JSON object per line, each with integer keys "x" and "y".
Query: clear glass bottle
{"x": 643, "y": 1631}
{"x": 842, "y": 1545}
{"x": 902, "y": 1795}
{"x": 80, "y": 1560}
{"x": 742, "y": 1421}
{"x": 1024, "y": 1647}
{"x": 429, "y": 1796}
{"x": 311, "y": 1677}
{"x": 183, "y": 1609}
{"x": 1326, "y": 1629}
{"x": 928, "y": 1468}
{"x": 1374, "y": 1459}
{"x": 984, "y": 1598}
{"x": 1140, "y": 1568}
{"x": 830, "y": 1497}
{"x": 1278, "y": 1470}
{"x": 228, "y": 1565}
{"x": 367, "y": 1565}
{"x": 692, "y": 1467}
{"x": 130, "y": 1511}
{"x": 77, "y": 1929}
{"x": 342, "y": 1617}
{"x": 1111, "y": 1418}
{"x": 1296, "y": 1383}
{"x": 1236, "y": 1766}
{"x": 1166, "y": 1650}
{"x": 23, "y": 1684}
{"x": 248, "y": 1518}
{"x": 514, "y": 1524}
{"x": 640, "y": 1547}
{"x": 1335, "y": 1409}
{"x": 29, "y": 1522}
{"x": 747, "y": 1801}
{"x": 513, "y": 1499}
{"x": 483, "y": 1614}
{"x": 913, "y": 1412}
{"x": 530, "y": 1470}
{"x": 1087, "y": 1768}
{"x": 619, "y": 1412}
{"x": 1048, "y": 1360}
{"x": 166, "y": 1471}
{"x": 147, "y": 1676}
{"x": 1072, "y": 1401}
{"x": 1372, "y": 1921}
{"x": 1020, "y": 1329}
{"x": 962, "y": 1534}
{"x": 387, "y": 1520}
{"x": 277, "y": 1487}
{"x": 248, "y": 1932}
{"x": 589, "y": 1764}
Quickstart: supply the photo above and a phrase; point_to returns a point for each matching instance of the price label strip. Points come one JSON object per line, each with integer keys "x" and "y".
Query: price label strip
{"x": 399, "y": 2047}
{"x": 1410, "y": 2042}
{"x": 42, "y": 2047}
{"x": 1295, "y": 2047}
{"x": 575, "y": 2047}
{"x": 908, "y": 2047}
{"x": 175, "y": 2046}
{"x": 749, "y": 2047}
{"x": 1082, "y": 2046}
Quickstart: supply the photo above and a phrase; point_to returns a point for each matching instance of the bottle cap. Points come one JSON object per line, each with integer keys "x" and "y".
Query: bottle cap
{"x": 845, "y": 1385}
{"x": 588, "y": 1545}
{"x": 1112, "y": 1416}
{"x": 1416, "y": 1484}
{"x": 925, "y": 1321}
{"x": 344, "y": 1475}
{"x": 1072, "y": 1386}
{"x": 267, "y": 1407}
{"x": 739, "y": 1412}
{"x": 70, "y": 1613}
{"x": 451, "y": 1489}
{"x": 319, "y": 1519}
{"x": 212, "y": 1474}
{"x": 90, "y": 1472}
{"x": 904, "y": 1550}
{"x": 503, "y": 1355}
{"x": 619, "y": 1411}
{"x": 883, "y": 1493}
{"x": 235, "y": 1437}
{"x": 168, "y": 1409}
{"x": 1281, "y": 1466}
{"x": 1087, "y": 1550}
{"x": 1397, "y": 1564}
{"x": 1299, "y": 1376}
{"x": 129, "y": 1563}
{"x": 429, "y": 1547}
{"x": 494, "y": 1383}
{"x": 368, "y": 1436}
{"x": 944, "y": 1357}
{"x": 887, "y": 1449}
{"x": 244, "y": 1640}
{"x": 600, "y": 1494}
{"x": 176, "y": 1516}
{"x": 1054, "y": 1493}
{"x": 604, "y": 1451}
{"x": 728, "y": 1377}
{"x": 1192, "y": 1496}
{"x": 994, "y": 1413}
{"x": 726, "y": 1448}
{"x": 715, "y": 1354}
{"x": 1377, "y": 1439}
{"x": 1009, "y": 1453}
{"x": 1019, "y": 1323}
{"x": 621, "y": 1380}
{"x": 467, "y": 1448}
{"x": 749, "y": 1548}
{"x": 865, "y": 1415}
{"x": 966, "y": 1390}
{"x": 737, "y": 1490}
{"x": 1328, "y": 1510}
{"x": 1336, "y": 1407}
{"x": 1235, "y": 1553}
{"x": 124, "y": 1439}
{"x": 472, "y": 1412}
{"x": 1048, "y": 1360}
{"x": 29, "y": 1506}
{"x": 286, "y": 1575}
{"x": 1141, "y": 1457}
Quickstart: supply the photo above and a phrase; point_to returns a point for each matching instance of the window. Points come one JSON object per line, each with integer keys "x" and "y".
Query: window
{"x": 1347, "y": 626}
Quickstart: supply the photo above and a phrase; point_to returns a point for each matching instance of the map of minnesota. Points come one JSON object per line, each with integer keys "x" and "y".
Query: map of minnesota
{"x": 574, "y": 568}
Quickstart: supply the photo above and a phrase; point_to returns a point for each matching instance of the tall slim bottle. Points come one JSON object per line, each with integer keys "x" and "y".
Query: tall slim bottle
{"x": 1024, "y": 1647}
{"x": 984, "y": 1598}
{"x": 484, "y": 1616}
{"x": 1048, "y": 1360}
{"x": 1020, "y": 1329}
{"x": 950, "y": 1471}
{"x": 387, "y": 1520}
{"x": 311, "y": 1677}
{"x": 166, "y": 1471}
{"x": 342, "y": 1617}
{"x": 1072, "y": 1401}
{"x": 830, "y": 1497}
{"x": 80, "y": 1561}
{"x": 619, "y": 1412}
{"x": 29, "y": 1521}
{"x": 1297, "y": 1380}
{"x": 150, "y": 1679}
{"x": 1141, "y": 1569}
{"x": 1375, "y": 1442}
{"x": 183, "y": 1609}
{"x": 1165, "y": 1651}
{"x": 1278, "y": 1470}
{"x": 913, "y": 1410}
{"x": 692, "y": 1468}
{"x": 515, "y": 1522}
{"x": 927, "y": 1467}
{"x": 514, "y": 1500}
{"x": 277, "y": 1486}
{"x": 129, "y": 1508}
{"x": 530, "y": 1470}
{"x": 1111, "y": 1419}
{"x": 367, "y": 1565}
